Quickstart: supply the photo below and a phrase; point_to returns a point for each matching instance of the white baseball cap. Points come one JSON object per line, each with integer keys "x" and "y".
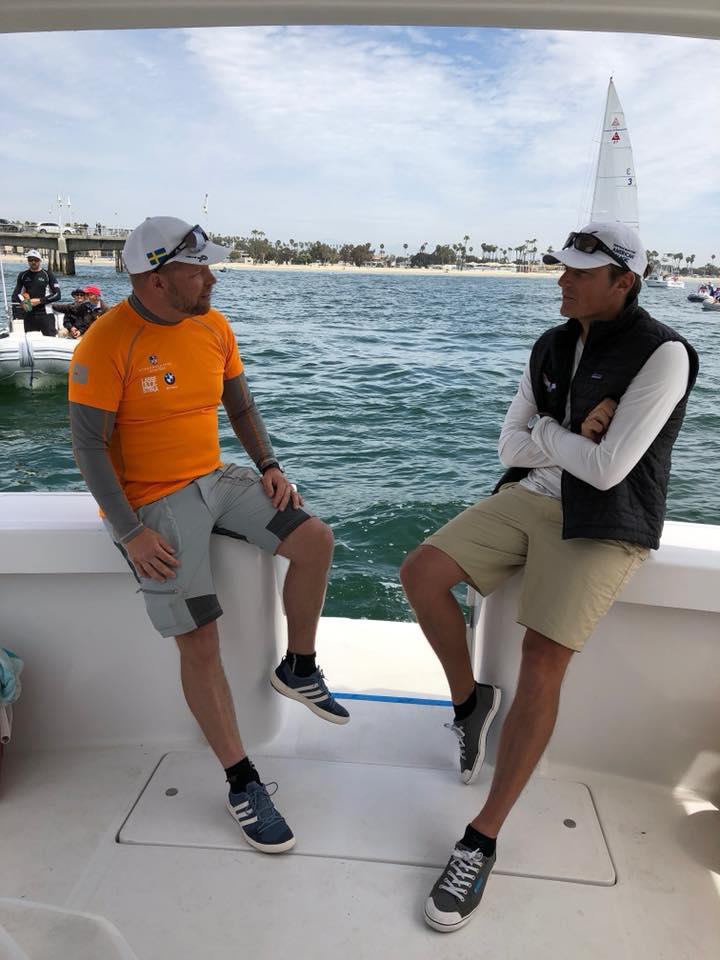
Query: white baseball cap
{"x": 33, "y": 253}
{"x": 614, "y": 243}
{"x": 161, "y": 240}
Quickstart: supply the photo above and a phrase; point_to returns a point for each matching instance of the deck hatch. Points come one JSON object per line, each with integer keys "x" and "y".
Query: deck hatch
{"x": 375, "y": 812}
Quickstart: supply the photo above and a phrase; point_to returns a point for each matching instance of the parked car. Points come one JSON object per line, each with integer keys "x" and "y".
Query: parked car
{"x": 53, "y": 228}
{"x": 7, "y": 226}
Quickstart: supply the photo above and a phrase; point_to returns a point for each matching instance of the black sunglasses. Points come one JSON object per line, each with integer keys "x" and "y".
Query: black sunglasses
{"x": 194, "y": 241}
{"x": 589, "y": 243}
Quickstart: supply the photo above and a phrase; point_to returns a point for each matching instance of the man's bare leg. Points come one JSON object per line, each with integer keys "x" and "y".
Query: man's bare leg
{"x": 428, "y": 576}
{"x": 208, "y": 694}
{"x": 309, "y": 549}
{"x": 527, "y": 728}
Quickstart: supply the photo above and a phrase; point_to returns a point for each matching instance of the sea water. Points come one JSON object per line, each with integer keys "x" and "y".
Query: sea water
{"x": 384, "y": 394}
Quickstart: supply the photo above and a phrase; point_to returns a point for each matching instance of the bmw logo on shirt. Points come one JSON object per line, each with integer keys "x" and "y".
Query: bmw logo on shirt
{"x": 153, "y": 358}
{"x": 169, "y": 378}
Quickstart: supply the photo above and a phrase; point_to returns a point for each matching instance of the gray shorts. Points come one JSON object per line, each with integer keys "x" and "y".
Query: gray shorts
{"x": 229, "y": 501}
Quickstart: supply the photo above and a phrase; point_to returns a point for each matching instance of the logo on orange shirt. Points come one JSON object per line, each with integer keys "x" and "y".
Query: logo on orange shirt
{"x": 149, "y": 384}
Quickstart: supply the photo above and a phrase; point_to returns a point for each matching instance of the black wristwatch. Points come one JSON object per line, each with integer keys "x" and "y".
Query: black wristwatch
{"x": 269, "y": 466}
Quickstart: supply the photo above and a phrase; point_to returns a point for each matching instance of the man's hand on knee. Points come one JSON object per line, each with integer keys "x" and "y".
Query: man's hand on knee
{"x": 277, "y": 486}
{"x": 152, "y": 556}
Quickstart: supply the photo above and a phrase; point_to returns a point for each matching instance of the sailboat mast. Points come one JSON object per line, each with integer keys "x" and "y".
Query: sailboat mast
{"x": 615, "y": 193}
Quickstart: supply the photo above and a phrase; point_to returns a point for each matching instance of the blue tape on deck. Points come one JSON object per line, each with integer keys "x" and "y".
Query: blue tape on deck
{"x": 378, "y": 698}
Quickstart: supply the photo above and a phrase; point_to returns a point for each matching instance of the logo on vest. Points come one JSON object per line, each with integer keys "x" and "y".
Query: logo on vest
{"x": 549, "y": 385}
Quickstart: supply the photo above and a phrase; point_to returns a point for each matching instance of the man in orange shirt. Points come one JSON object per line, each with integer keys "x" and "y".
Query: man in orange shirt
{"x": 145, "y": 384}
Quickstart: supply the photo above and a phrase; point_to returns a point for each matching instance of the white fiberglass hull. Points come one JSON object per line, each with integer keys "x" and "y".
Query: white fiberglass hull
{"x": 113, "y": 806}
{"x": 32, "y": 361}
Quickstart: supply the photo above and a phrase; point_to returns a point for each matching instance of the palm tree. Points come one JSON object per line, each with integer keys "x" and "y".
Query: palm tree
{"x": 405, "y": 248}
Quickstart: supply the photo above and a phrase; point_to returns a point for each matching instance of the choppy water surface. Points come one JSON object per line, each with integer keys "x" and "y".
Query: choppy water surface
{"x": 384, "y": 396}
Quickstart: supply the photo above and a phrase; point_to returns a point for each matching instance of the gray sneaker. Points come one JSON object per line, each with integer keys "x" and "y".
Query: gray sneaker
{"x": 472, "y": 731}
{"x": 458, "y": 890}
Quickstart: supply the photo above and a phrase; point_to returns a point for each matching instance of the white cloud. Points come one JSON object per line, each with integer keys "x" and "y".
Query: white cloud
{"x": 392, "y": 128}
{"x": 400, "y": 135}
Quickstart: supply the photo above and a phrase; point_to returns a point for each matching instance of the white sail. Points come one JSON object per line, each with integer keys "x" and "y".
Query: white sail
{"x": 615, "y": 195}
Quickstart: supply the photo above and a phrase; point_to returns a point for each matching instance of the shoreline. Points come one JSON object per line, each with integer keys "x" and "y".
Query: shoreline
{"x": 330, "y": 268}
{"x": 499, "y": 271}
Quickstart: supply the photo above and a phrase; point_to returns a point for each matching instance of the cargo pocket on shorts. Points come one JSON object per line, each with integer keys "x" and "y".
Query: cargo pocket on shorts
{"x": 158, "y": 516}
{"x": 165, "y": 606}
{"x": 164, "y": 600}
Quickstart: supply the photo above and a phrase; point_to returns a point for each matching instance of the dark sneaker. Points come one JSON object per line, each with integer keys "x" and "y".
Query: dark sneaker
{"x": 264, "y": 827}
{"x": 312, "y": 691}
{"x": 458, "y": 890}
{"x": 472, "y": 731}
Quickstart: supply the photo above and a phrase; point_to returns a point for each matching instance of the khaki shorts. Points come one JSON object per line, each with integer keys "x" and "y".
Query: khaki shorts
{"x": 231, "y": 502}
{"x": 568, "y": 585}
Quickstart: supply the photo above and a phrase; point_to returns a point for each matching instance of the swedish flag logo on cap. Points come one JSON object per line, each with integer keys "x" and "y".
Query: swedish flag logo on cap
{"x": 156, "y": 256}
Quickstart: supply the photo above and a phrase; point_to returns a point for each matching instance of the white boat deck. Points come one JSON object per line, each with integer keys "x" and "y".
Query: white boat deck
{"x": 615, "y": 868}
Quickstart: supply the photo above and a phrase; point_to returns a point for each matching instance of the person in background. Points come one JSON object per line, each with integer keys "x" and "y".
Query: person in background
{"x": 587, "y": 441}
{"x": 35, "y": 291}
{"x": 144, "y": 387}
{"x": 72, "y": 323}
{"x": 95, "y": 299}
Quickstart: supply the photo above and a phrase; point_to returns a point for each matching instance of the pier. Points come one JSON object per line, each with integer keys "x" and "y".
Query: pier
{"x": 60, "y": 251}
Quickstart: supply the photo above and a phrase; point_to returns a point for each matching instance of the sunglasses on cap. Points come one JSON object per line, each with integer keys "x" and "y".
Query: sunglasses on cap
{"x": 589, "y": 243}
{"x": 194, "y": 241}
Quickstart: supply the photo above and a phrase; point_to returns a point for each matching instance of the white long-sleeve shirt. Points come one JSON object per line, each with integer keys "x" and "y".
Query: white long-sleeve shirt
{"x": 551, "y": 447}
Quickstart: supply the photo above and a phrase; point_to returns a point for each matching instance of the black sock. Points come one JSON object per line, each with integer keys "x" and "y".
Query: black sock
{"x": 474, "y": 840}
{"x": 464, "y": 709}
{"x": 301, "y": 664}
{"x": 241, "y": 774}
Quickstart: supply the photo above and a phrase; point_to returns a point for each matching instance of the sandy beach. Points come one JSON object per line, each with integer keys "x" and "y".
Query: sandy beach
{"x": 498, "y": 271}
{"x": 541, "y": 271}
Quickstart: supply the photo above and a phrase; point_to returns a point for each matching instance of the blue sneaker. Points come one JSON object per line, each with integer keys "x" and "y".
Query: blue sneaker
{"x": 264, "y": 827}
{"x": 312, "y": 691}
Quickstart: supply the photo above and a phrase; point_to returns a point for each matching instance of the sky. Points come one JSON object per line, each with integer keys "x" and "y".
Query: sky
{"x": 356, "y": 134}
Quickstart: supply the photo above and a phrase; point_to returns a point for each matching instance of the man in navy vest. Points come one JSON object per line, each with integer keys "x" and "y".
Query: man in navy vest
{"x": 587, "y": 442}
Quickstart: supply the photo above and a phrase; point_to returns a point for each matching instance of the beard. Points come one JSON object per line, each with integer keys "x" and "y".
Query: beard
{"x": 183, "y": 303}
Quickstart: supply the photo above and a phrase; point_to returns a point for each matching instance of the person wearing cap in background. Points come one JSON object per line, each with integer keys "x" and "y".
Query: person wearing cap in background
{"x": 73, "y": 324}
{"x": 144, "y": 387}
{"x": 94, "y": 298}
{"x": 587, "y": 442}
{"x": 35, "y": 290}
